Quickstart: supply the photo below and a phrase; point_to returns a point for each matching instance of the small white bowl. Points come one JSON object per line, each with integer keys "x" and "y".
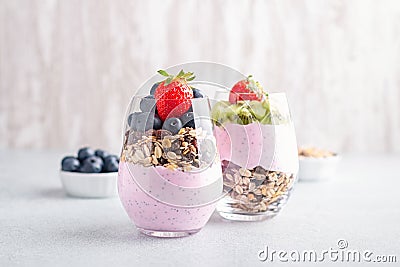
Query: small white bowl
{"x": 315, "y": 169}
{"x": 89, "y": 185}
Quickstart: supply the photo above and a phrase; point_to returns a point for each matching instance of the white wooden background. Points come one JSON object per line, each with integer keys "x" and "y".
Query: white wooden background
{"x": 69, "y": 68}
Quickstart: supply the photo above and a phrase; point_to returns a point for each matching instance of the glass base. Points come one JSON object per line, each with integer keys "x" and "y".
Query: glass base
{"x": 246, "y": 217}
{"x": 168, "y": 234}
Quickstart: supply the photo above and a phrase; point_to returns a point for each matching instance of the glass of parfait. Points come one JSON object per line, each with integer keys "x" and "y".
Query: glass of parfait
{"x": 257, "y": 145}
{"x": 170, "y": 174}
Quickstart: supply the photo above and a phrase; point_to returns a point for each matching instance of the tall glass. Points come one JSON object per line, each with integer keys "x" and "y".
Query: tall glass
{"x": 257, "y": 144}
{"x": 169, "y": 183}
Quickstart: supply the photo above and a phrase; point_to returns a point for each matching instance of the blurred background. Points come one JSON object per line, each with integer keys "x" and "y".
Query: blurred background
{"x": 69, "y": 68}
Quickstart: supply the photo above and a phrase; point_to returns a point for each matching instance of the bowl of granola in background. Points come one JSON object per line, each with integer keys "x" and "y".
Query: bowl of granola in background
{"x": 317, "y": 164}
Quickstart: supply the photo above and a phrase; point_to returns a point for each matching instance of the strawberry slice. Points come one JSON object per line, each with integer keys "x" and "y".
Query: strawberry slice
{"x": 247, "y": 89}
{"x": 173, "y": 95}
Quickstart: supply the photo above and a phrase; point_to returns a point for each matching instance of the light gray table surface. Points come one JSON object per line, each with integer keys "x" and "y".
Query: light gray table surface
{"x": 40, "y": 226}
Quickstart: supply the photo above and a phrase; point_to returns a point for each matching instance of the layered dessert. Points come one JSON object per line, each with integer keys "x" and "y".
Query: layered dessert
{"x": 257, "y": 145}
{"x": 170, "y": 173}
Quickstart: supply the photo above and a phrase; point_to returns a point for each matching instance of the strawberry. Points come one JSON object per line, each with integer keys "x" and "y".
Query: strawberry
{"x": 173, "y": 95}
{"x": 247, "y": 89}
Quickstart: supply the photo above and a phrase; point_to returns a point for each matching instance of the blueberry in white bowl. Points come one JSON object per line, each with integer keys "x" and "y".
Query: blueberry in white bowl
{"x": 101, "y": 153}
{"x": 70, "y": 164}
{"x": 85, "y": 152}
{"x": 92, "y": 164}
{"x": 90, "y": 174}
{"x": 111, "y": 165}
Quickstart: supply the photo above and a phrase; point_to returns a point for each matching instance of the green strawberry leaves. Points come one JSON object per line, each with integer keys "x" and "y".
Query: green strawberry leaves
{"x": 163, "y": 73}
{"x": 168, "y": 80}
{"x": 256, "y": 87}
{"x": 187, "y": 76}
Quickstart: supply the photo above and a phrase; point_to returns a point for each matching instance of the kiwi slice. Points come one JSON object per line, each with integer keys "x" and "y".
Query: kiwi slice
{"x": 245, "y": 112}
{"x": 218, "y": 113}
{"x": 245, "y": 116}
{"x": 258, "y": 109}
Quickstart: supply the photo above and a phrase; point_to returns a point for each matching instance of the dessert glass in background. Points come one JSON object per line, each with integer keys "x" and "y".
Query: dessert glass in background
{"x": 257, "y": 144}
{"x": 170, "y": 175}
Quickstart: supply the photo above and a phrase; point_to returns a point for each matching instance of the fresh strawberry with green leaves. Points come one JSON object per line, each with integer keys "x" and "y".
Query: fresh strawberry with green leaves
{"x": 246, "y": 89}
{"x": 173, "y": 95}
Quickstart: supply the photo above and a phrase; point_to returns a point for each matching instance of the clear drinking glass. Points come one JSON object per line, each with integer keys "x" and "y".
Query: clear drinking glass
{"x": 169, "y": 183}
{"x": 257, "y": 145}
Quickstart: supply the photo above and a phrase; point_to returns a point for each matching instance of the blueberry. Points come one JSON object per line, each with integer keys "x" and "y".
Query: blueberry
{"x": 111, "y": 158}
{"x": 153, "y": 89}
{"x": 144, "y": 121}
{"x": 148, "y": 104}
{"x": 84, "y": 153}
{"x": 197, "y": 93}
{"x": 111, "y": 166}
{"x": 70, "y": 164}
{"x": 110, "y": 162}
{"x": 132, "y": 120}
{"x": 101, "y": 153}
{"x": 92, "y": 164}
{"x": 173, "y": 125}
{"x": 65, "y": 158}
{"x": 157, "y": 122}
{"x": 187, "y": 120}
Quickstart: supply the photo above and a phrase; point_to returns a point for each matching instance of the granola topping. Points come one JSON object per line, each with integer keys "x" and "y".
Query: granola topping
{"x": 187, "y": 150}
